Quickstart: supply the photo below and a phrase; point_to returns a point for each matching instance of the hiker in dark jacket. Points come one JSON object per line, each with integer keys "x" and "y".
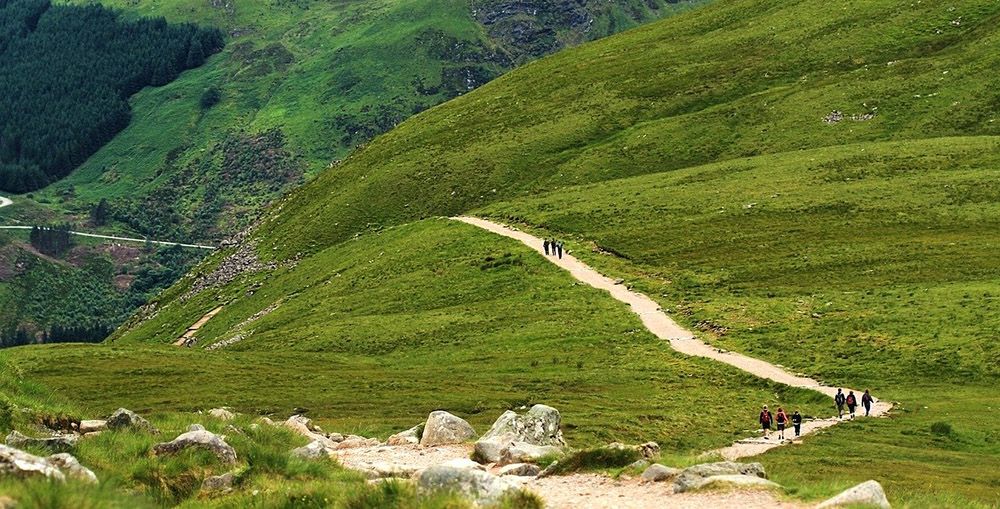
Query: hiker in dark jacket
{"x": 839, "y": 399}
{"x": 866, "y": 401}
{"x": 559, "y": 248}
{"x": 852, "y": 403}
{"x": 797, "y": 422}
{"x": 765, "y": 421}
{"x": 546, "y": 246}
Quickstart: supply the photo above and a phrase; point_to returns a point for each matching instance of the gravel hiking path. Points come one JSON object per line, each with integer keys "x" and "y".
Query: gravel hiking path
{"x": 684, "y": 341}
{"x": 593, "y": 491}
{"x": 123, "y": 239}
{"x": 5, "y": 202}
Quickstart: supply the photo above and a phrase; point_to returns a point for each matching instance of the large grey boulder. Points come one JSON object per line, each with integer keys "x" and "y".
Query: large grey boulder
{"x": 17, "y": 463}
{"x": 127, "y": 419}
{"x": 659, "y": 473}
{"x": 693, "y": 477}
{"x": 482, "y": 487}
{"x": 408, "y": 437}
{"x": 520, "y": 452}
{"x": 443, "y": 428}
{"x": 72, "y": 468}
{"x": 52, "y": 443}
{"x": 198, "y": 439}
{"x": 540, "y": 425}
{"x": 868, "y": 493}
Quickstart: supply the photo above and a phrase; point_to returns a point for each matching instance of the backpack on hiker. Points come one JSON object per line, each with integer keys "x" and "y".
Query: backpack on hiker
{"x": 851, "y": 401}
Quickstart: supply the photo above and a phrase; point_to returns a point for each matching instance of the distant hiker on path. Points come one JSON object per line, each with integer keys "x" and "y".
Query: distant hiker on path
{"x": 797, "y": 422}
{"x": 839, "y": 399}
{"x": 765, "y": 421}
{"x": 782, "y": 420}
{"x": 852, "y": 403}
{"x": 546, "y": 246}
{"x": 866, "y": 401}
{"x": 559, "y": 248}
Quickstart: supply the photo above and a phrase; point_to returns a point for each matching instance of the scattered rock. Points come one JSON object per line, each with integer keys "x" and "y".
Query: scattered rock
{"x": 464, "y": 463}
{"x": 648, "y": 450}
{"x": 520, "y": 452}
{"x": 201, "y": 439}
{"x": 17, "y": 463}
{"x": 52, "y": 443}
{"x": 658, "y": 473}
{"x": 408, "y": 437}
{"x": 218, "y": 484}
{"x": 355, "y": 442}
{"x": 541, "y": 425}
{"x": 868, "y": 493}
{"x": 693, "y": 477}
{"x": 222, "y": 414}
{"x": 92, "y": 426}
{"x": 520, "y": 470}
{"x": 196, "y": 427}
{"x": 72, "y": 468}
{"x": 480, "y": 486}
{"x": 639, "y": 464}
{"x": 443, "y": 428}
{"x": 127, "y": 419}
{"x": 305, "y": 427}
{"x": 313, "y": 451}
{"x": 7, "y": 502}
{"x": 384, "y": 470}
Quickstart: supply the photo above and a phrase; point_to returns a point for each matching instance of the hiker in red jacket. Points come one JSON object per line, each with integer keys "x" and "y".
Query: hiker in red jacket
{"x": 782, "y": 419}
{"x": 852, "y": 403}
{"x": 866, "y": 401}
{"x": 765, "y": 421}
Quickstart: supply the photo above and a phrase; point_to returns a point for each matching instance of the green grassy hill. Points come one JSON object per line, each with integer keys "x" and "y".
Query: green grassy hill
{"x": 701, "y": 159}
{"x": 301, "y": 84}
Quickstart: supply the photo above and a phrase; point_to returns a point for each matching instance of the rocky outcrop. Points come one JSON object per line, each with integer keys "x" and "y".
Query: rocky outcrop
{"x": 443, "y": 428}
{"x": 22, "y": 465}
{"x": 223, "y": 414}
{"x": 539, "y": 426}
{"x": 520, "y": 452}
{"x": 520, "y": 470}
{"x": 659, "y": 473}
{"x": 408, "y": 437}
{"x": 868, "y": 494}
{"x": 198, "y": 438}
{"x": 127, "y": 419}
{"x": 694, "y": 477}
{"x": 734, "y": 481}
{"x": 52, "y": 443}
{"x": 480, "y": 486}
{"x": 17, "y": 463}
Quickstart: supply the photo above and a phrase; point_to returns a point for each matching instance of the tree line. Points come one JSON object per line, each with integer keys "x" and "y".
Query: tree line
{"x": 19, "y": 336}
{"x": 67, "y": 73}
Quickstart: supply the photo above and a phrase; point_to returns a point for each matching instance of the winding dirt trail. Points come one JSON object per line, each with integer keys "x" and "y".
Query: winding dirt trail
{"x": 123, "y": 239}
{"x": 5, "y": 202}
{"x": 683, "y": 340}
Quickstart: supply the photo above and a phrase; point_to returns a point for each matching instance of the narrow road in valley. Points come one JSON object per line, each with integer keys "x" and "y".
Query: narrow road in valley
{"x": 5, "y": 202}
{"x": 123, "y": 239}
{"x": 683, "y": 340}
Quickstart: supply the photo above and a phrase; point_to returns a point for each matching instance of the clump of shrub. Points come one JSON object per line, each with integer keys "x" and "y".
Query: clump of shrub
{"x": 210, "y": 97}
{"x": 941, "y": 428}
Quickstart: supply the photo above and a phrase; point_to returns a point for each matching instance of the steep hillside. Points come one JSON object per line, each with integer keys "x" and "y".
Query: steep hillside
{"x": 299, "y": 85}
{"x": 819, "y": 190}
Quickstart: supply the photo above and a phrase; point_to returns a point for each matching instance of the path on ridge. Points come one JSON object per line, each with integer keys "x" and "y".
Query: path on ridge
{"x": 122, "y": 239}
{"x": 681, "y": 339}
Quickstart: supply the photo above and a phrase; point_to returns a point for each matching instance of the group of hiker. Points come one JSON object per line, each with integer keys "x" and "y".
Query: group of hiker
{"x": 553, "y": 247}
{"x": 781, "y": 419}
